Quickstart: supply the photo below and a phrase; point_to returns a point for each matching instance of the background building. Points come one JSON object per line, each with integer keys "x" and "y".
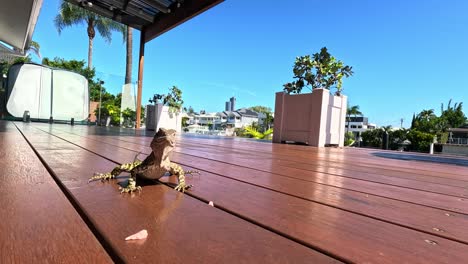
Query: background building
{"x": 358, "y": 124}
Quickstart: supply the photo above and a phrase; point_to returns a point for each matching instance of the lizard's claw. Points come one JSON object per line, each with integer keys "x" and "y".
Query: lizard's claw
{"x": 101, "y": 176}
{"x": 131, "y": 187}
{"x": 182, "y": 187}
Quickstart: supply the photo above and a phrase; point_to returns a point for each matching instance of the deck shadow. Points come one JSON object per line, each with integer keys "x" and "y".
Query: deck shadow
{"x": 424, "y": 158}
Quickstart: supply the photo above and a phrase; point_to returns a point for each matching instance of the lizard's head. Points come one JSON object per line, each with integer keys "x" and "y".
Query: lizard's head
{"x": 164, "y": 138}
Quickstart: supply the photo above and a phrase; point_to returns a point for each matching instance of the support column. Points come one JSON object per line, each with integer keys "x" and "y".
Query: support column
{"x": 140, "y": 77}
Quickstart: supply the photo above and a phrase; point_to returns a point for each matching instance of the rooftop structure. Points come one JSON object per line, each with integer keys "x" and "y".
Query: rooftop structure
{"x": 17, "y": 23}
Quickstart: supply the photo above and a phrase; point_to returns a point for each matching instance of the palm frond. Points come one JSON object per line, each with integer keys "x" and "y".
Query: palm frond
{"x": 253, "y": 132}
{"x": 105, "y": 26}
{"x": 268, "y": 132}
{"x": 34, "y": 47}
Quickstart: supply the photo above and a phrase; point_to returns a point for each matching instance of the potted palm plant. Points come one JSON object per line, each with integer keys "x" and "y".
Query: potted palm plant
{"x": 316, "y": 118}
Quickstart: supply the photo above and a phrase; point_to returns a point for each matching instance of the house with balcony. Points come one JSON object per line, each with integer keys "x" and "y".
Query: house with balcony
{"x": 234, "y": 119}
{"x": 358, "y": 124}
{"x": 239, "y": 118}
{"x": 457, "y": 142}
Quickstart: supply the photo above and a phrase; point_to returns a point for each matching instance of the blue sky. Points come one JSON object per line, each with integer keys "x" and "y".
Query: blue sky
{"x": 407, "y": 55}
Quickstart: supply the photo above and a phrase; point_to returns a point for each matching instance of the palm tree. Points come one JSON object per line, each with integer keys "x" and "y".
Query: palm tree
{"x": 353, "y": 110}
{"x": 426, "y": 114}
{"x": 71, "y": 14}
{"x": 128, "y": 62}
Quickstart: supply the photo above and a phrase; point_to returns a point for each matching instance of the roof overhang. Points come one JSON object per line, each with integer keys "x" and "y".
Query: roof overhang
{"x": 152, "y": 17}
{"x": 7, "y": 54}
{"x": 17, "y": 22}
{"x": 461, "y": 129}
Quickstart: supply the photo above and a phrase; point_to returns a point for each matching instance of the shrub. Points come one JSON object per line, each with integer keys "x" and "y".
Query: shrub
{"x": 420, "y": 141}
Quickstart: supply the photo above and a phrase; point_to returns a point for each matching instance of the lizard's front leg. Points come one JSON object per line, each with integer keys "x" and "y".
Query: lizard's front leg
{"x": 177, "y": 170}
{"x": 131, "y": 187}
{"x": 127, "y": 167}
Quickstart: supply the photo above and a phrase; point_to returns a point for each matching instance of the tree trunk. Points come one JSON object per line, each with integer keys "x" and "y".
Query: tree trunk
{"x": 90, "y": 53}
{"x": 91, "y": 35}
{"x": 128, "y": 65}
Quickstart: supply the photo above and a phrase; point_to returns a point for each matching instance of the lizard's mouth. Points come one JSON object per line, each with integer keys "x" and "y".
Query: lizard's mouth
{"x": 172, "y": 143}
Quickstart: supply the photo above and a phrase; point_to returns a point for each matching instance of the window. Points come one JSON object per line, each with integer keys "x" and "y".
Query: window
{"x": 353, "y": 126}
{"x": 359, "y": 126}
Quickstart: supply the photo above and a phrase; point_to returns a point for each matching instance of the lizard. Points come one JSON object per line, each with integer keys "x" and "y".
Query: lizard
{"x": 153, "y": 167}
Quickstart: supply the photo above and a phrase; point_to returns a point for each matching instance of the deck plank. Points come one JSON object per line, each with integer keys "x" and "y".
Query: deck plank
{"x": 38, "y": 223}
{"x": 321, "y": 226}
{"x": 181, "y": 228}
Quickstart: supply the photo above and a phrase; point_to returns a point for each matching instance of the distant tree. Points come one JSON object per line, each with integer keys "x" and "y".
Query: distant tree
{"x": 268, "y": 121}
{"x": 129, "y": 117}
{"x": 372, "y": 138}
{"x": 190, "y": 110}
{"x": 255, "y": 125}
{"x": 452, "y": 117}
{"x": 70, "y": 14}
{"x": 352, "y": 111}
{"x": 397, "y": 137}
{"x": 387, "y": 128}
{"x": 260, "y": 109}
{"x": 420, "y": 141}
{"x": 414, "y": 121}
{"x": 426, "y": 121}
{"x": 319, "y": 71}
{"x": 426, "y": 114}
{"x": 185, "y": 121}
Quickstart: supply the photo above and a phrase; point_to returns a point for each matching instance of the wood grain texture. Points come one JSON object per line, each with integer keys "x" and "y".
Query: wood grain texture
{"x": 427, "y": 219}
{"x": 181, "y": 229}
{"x": 330, "y": 229}
{"x": 308, "y": 158}
{"x": 38, "y": 223}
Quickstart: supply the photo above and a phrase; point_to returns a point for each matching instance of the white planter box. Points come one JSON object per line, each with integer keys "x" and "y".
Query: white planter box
{"x": 160, "y": 117}
{"x": 316, "y": 119}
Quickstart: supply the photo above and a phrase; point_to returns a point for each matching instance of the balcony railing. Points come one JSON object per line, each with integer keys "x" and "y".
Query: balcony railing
{"x": 458, "y": 141}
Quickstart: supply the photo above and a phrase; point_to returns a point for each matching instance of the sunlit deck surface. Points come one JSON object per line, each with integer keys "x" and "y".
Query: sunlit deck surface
{"x": 273, "y": 203}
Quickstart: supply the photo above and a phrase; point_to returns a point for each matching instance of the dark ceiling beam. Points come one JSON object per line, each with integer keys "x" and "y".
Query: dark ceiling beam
{"x": 159, "y": 6}
{"x": 116, "y": 14}
{"x": 187, "y": 10}
{"x": 124, "y": 7}
{"x": 139, "y": 13}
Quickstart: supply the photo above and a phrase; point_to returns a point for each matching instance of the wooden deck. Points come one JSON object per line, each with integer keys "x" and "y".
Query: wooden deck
{"x": 273, "y": 203}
